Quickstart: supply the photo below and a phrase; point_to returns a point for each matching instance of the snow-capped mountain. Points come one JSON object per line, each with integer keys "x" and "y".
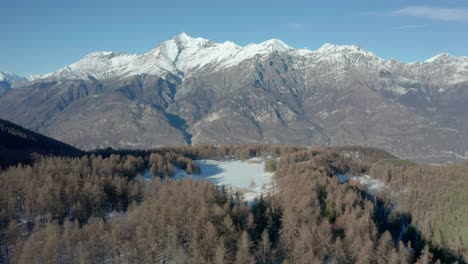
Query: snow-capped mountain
{"x": 184, "y": 55}
{"x": 10, "y": 77}
{"x": 192, "y": 91}
{"x": 178, "y": 56}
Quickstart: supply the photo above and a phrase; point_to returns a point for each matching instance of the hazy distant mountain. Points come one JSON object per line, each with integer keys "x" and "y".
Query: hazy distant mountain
{"x": 10, "y": 77}
{"x": 6, "y": 80}
{"x": 192, "y": 90}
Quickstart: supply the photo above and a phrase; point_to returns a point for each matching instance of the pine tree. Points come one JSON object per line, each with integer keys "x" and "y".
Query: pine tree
{"x": 426, "y": 256}
{"x": 220, "y": 254}
{"x": 270, "y": 165}
{"x": 243, "y": 255}
{"x": 264, "y": 248}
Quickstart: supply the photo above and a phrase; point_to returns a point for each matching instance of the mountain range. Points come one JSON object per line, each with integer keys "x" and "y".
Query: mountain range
{"x": 194, "y": 91}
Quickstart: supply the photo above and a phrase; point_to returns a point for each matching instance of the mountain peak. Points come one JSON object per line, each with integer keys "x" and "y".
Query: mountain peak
{"x": 101, "y": 54}
{"x": 440, "y": 56}
{"x": 327, "y": 47}
{"x": 183, "y": 37}
{"x": 276, "y": 45}
{"x": 345, "y": 50}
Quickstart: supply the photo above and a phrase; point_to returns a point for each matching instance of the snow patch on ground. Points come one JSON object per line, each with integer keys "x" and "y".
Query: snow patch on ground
{"x": 372, "y": 185}
{"x": 323, "y": 114}
{"x": 213, "y": 117}
{"x": 248, "y": 177}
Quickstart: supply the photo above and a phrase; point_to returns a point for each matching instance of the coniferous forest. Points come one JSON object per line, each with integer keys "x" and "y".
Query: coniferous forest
{"x": 98, "y": 208}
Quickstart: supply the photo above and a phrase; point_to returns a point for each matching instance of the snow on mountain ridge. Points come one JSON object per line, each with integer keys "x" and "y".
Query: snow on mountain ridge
{"x": 438, "y": 57}
{"x": 191, "y": 53}
{"x": 184, "y": 55}
{"x": 275, "y": 45}
{"x": 98, "y": 64}
{"x": 328, "y": 49}
{"x": 10, "y": 77}
{"x": 446, "y": 57}
{"x": 103, "y": 54}
{"x": 179, "y": 55}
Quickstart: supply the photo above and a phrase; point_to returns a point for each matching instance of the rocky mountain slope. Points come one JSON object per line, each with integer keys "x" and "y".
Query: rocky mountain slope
{"x": 194, "y": 91}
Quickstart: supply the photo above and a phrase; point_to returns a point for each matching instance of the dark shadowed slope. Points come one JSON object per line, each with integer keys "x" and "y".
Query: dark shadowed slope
{"x": 17, "y": 144}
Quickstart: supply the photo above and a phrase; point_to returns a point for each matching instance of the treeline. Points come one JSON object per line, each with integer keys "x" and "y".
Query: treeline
{"x": 238, "y": 152}
{"x": 367, "y": 154}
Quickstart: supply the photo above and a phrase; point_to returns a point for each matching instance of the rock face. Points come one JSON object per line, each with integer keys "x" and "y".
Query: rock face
{"x": 193, "y": 91}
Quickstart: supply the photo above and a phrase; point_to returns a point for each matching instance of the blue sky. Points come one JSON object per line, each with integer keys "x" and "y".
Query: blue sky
{"x": 42, "y": 36}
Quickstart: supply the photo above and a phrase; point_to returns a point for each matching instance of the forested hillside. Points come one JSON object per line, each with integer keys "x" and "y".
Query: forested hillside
{"x": 98, "y": 209}
{"x": 435, "y": 196}
{"x": 18, "y": 144}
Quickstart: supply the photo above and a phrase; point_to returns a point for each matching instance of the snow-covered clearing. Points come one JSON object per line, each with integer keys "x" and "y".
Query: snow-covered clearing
{"x": 372, "y": 185}
{"x": 247, "y": 177}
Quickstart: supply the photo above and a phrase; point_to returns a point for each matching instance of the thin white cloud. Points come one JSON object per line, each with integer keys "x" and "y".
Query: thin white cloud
{"x": 411, "y": 26}
{"x": 434, "y": 13}
{"x": 296, "y": 26}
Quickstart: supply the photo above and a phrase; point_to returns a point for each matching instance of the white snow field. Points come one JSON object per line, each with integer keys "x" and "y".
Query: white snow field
{"x": 248, "y": 177}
